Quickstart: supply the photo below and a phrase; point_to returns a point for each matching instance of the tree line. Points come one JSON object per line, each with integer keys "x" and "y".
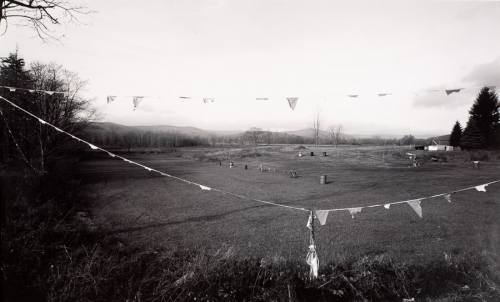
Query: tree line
{"x": 483, "y": 127}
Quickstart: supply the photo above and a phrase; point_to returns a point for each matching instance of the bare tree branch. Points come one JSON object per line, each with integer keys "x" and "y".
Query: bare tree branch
{"x": 37, "y": 14}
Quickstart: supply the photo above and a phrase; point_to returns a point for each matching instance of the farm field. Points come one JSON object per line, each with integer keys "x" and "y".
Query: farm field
{"x": 145, "y": 209}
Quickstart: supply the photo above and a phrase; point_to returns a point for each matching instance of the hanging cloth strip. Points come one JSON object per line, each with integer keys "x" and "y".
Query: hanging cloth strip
{"x": 312, "y": 257}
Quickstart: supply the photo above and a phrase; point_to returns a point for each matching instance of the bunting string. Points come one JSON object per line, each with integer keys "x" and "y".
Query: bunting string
{"x": 292, "y": 102}
{"x": 351, "y": 210}
{"x": 49, "y": 92}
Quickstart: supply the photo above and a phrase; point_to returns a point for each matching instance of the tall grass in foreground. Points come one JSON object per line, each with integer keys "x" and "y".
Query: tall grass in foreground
{"x": 51, "y": 252}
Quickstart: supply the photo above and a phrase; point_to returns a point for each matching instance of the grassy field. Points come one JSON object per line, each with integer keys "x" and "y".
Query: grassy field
{"x": 145, "y": 209}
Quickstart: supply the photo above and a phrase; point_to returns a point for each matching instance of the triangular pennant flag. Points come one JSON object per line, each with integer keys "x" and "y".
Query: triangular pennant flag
{"x": 450, "y": 91}
{"x": 353, "y": 211}
{"x": 128, "y": 161}
{"x": 93, "y": 147}
{"x": 262, "y": 99}
{"x": 321, "y": 216}
{"x": 310, "y": 221}
{"x": 31, "y": 90}
{"x": 42, "y": 121}
{"x": 206, "y": 100}
{"x": 387, "y": 206}
{"x": 353, "y": 95}
{"x": 149, "y": 169}
{"x": 447, "y": 197}
{"x": 49, "y": 92}
{"x": 415, "y": 204}
{"x": 163, "y": 174}
{"x": 12, "y": 89}
{"x": 58, "y": 129}
{"x": 313, "y": 261}
{"x": 111, "y": 154}
{"x": 205, "y": 188}
{"x": 111, "y": 98}
{"x": 292, "y": 102}
{"x": 384, "y": 94}
{"x": 137, "y": 100}
{"x": 481, "y": 188}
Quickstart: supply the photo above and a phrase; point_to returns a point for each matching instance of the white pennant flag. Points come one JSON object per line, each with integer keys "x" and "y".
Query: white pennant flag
{"x": 415, "y": 204}
{"x": 163, "y": 174}
{"x": 49, "y": 92}
{"x": 149, "y": 169}
{"x": 292, "y": 102}
{"x": 111, "y": 154}
{"x": 321, "y": 216}
{"x": 387, "y": 206}
{"x": 42, "y": 121}
{"x": 31, "y": 90}
{"x": 313, "y": 261}
{"x": 93, "y": 147}
{"x": 111, "y": 98}
{"x": 447, "y": 197}
{"x": 12, "y": 89}
{"x": 58, "y": 129}
{"x": 481, "y": 188}
{"x": 353, "y": 211}
{"x": 137, "y": 100}
{"x": 205, "y": 188}
{"x": 310, "y": 221}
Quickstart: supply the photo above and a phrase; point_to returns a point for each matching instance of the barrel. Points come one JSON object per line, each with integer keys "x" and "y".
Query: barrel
{"x": 476, "y": 165}
{"x": 322, "y": 179}
{"x": 312, "y": 153}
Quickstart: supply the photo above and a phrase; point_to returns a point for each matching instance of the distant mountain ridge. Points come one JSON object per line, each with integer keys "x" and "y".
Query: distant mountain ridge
{"x": 193, "y": 131}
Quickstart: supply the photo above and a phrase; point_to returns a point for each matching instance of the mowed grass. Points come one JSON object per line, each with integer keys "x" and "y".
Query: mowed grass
{"x": 145, "y": 209}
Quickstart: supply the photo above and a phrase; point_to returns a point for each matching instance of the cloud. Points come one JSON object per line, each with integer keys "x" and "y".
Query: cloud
{"x": 484, "y": 74}
{"x": 441, "y": 99}
{"x": 480, "y": 75}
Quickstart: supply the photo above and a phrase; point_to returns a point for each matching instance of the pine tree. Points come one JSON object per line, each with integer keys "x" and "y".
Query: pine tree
{"x": 456, "y": 135}
{"x": 472, "y": 137}
{"x": 486, "y": 115}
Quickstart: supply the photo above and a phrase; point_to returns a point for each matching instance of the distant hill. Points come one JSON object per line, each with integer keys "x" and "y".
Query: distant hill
{"x": 322, "y": 133}
{"x": 193, "y": 131}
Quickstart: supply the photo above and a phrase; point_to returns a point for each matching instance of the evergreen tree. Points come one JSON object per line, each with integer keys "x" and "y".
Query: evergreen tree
{"x": 486, "y": 115}
{"x": 456, "y": 135}
{"x": 472, "y": 137}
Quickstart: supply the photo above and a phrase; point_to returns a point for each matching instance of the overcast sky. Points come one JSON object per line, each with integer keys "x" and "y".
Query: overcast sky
{"x": 318, "y": 51}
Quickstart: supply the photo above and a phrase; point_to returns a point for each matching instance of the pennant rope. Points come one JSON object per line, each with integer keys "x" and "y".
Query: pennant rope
{"x": 356, "y": 209}
{"x": 49, "y": 92}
